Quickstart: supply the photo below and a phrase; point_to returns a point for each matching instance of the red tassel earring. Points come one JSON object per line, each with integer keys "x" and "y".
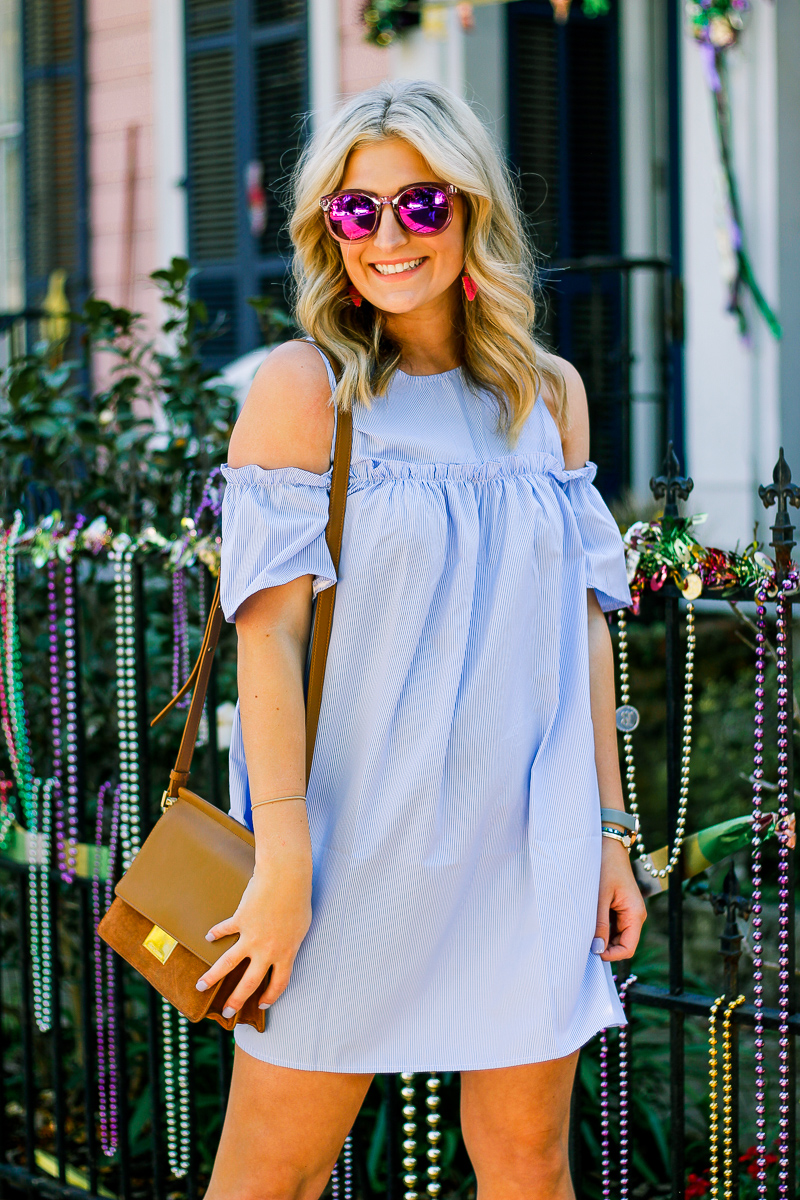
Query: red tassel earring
{"x": 470, "y": 287}
{"x": 355, "y": 295}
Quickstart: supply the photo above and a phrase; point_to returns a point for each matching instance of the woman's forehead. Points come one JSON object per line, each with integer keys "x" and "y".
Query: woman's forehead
{"x": 385, "y": 167}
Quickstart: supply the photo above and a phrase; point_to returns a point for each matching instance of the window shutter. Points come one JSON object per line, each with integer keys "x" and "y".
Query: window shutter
{"x": 280, "y": 87}
{"x": 537, "y": 123}
{"x": 564, "y": 106}
{"x": 212, "y": 156}
{"x": 53, "y": 136}
{"x": 246, "y": 96}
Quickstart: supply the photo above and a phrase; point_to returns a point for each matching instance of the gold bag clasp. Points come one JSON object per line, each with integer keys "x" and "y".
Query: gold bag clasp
{"x": 159, "y": 943}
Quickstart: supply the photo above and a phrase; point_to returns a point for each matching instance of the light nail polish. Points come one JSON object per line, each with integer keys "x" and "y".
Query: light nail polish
{"x": 228, "y": 1011}
{"x": 201, "y": 985}
{"x": 263, "y": 1004}
{"x": 598, "y": 945}
{"x": 210, "y": 937}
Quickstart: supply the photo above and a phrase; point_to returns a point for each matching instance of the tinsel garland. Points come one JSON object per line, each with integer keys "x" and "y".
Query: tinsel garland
{"x": 716, "y": 26}
{"x": 657, "y": 551}
{"x": 48, "y": 540}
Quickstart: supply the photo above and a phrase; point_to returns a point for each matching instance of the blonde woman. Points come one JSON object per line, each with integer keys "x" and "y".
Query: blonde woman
{"x": 443, "y": 898}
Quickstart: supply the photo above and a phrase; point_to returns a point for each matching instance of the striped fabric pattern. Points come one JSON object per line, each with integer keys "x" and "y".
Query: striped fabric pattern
{"x": 453, "y": 801}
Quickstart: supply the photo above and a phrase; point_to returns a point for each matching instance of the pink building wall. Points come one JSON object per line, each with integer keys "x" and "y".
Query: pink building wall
{"x": 360, "y": 64}
{"x": 121, "y": 98}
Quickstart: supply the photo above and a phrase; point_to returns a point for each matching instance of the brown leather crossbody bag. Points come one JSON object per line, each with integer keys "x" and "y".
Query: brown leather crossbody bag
{"x": 193, "y": 867}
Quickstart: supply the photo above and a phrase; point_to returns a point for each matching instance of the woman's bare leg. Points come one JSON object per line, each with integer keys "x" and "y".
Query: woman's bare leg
{"x": 515, "y": 1122}
{"x": 283, "y": 1130}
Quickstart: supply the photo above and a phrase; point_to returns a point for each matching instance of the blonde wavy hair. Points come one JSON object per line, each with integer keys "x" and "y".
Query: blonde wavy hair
{"x": 499, "y": 351}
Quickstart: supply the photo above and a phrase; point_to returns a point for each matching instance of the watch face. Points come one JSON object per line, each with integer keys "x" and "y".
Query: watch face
{"x": 627, "y": 718}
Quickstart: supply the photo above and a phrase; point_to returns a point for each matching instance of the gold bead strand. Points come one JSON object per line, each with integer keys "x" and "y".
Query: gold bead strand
{"x": 433, "y": 1118}
{"x": 409, "y": 1141}
{"x": 727, "y": 1091}
{"x": 713, "y": 1107}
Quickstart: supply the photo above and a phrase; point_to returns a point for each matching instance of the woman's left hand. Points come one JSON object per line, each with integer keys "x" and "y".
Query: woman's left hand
{"x": 621, "y": 910}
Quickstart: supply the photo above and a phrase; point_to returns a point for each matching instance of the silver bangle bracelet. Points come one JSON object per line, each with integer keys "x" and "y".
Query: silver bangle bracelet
{"x": 627, "y": 839}
{"x": 276, "y": 800}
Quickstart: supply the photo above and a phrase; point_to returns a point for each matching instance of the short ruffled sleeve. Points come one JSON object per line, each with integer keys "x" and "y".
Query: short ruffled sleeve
{"x": 606, "y": 570}
{"x": 273, "y": 531}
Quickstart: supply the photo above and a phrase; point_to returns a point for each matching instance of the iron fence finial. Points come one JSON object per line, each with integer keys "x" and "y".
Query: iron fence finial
{"x": 671, "y": 484}
{"x": 784, "y": 492}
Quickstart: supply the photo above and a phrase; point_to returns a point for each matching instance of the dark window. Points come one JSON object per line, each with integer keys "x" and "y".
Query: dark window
{"x": 564, "y": 108}
{"x": 55, "y": 147}
{"x": 246, "y": 100}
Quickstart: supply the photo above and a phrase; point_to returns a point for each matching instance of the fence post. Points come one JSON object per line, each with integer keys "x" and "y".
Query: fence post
{"x": 672, "y": 485}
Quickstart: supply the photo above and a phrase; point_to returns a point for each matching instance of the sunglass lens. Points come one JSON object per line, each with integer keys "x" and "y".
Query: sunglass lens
{"x": 424, "y": 209}
{"x": 352, "y": 216}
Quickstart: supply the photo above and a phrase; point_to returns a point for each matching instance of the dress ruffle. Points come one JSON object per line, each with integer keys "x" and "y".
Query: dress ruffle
{"x": 600, "y": 535}
{"x": 284, "y": 513}
{"x": 273, "y": 531}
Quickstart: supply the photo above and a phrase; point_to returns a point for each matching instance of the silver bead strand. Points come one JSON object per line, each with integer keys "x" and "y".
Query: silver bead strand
{"x": 434, "y": 1154}
{"x": 628, "y": 719}
{"x": 122, "y": 554}
{"x": 409, "y": 1140}
{"x": 176, "y": 1092}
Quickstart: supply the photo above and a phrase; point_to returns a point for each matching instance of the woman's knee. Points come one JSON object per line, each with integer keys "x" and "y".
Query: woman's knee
{"x": 282, "y": 1182}
{"x": 523, "y": 1172}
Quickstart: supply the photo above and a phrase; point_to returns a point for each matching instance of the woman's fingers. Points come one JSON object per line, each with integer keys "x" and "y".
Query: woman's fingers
{"x": 223, "y": 929}
{"x": 602, "y": 928}
{"x": 252, "y": 977}
{"x": 627, "y": 915}
{"x": 277, "y": 984}
{"x": 220, "y": 968}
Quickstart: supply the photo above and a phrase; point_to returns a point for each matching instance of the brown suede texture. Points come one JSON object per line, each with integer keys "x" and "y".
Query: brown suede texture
{"x": 124, "y": 930}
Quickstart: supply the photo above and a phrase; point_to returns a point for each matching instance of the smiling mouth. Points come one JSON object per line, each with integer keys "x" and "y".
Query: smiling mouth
{"x": 400, "y": 268}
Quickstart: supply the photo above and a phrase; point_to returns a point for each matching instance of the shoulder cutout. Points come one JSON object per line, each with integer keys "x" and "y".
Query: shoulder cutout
{"x": 575, "y": 442}
{"x": 287, "y": 418}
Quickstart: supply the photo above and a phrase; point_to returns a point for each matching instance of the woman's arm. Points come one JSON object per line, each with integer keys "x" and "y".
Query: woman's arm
{"x": 620, "y": 909}
{"x": 286, "y": 421}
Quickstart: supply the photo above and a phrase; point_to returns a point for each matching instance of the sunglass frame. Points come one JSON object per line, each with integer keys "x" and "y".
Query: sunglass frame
{"x": 450, "y": 190}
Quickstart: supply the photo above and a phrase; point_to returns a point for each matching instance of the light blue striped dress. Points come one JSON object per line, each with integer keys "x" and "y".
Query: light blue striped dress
{"x": 453, "y": 802}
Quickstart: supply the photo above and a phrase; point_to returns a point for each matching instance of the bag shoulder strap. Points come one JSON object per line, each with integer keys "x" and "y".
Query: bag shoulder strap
{"x": 323, "y": 621}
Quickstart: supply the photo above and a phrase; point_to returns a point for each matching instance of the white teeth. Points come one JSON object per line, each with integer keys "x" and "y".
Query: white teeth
{"x": 396, "y": 268}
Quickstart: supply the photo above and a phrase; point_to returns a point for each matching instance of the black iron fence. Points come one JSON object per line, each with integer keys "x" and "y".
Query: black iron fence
{"x": 51, "y": 1133}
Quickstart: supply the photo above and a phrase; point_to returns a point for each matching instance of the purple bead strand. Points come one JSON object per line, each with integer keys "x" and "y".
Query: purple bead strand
{"x": 55, "y": 721}
{"x": 104, "y": 957}
{"x": 180, "y": 634}
{"x": 67, "y": 854}
{"x": 783, "y": 611}
{"x": 624, "y": 1146}
{"x": 756, "y": 864}
{"x": 605, "y": 1131}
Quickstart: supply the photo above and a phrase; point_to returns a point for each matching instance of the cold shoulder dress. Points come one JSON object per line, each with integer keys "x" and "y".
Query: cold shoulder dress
{"x": 453, "y": 802}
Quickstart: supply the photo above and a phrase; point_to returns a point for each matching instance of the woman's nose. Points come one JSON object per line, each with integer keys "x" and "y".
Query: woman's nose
{"x": 390, "y": 234}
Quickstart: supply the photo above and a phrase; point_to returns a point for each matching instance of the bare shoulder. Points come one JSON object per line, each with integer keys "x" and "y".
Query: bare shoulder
{"x": 287, "y": 418}
{"x": 575, "y": 442}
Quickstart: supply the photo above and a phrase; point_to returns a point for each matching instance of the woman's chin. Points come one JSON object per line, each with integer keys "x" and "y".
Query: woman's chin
{"x": 399, "y": 301}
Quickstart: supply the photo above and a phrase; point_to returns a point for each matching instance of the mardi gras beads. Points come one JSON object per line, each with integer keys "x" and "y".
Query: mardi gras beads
{"x": 104, "y": 989}
{"x": 628, "y": 719}
{"x": 785, "y": 843}
{"x": 433, "y": 1153}
{"x": 605, "y": 1105}
{"x": 122, "y": 553}
{"x": 727, "y": 1093}
{"x": 36, "y": 798}
{"x": 176, "y": 1091}
{"x": 757, "y": 934}
{"x": 409, "y": 1141}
